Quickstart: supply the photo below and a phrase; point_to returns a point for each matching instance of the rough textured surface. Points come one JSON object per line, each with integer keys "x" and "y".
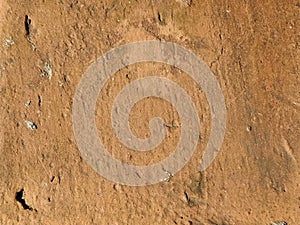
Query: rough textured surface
{"x": 251, "y": 46}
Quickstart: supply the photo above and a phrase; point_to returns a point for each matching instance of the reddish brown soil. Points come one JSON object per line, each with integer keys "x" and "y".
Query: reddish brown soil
{"x": 251, "y": 46}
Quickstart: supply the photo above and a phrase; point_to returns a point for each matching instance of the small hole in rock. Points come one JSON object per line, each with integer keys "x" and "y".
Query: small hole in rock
{"x": 20, "y": 198}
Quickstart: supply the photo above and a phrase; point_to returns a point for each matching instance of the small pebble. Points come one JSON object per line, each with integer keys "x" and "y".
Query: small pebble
{"x": 279, "y": 223}
{"x": 28, "y": 103}
{"x": 31, "y": 125}
{"x": 9, "y": 42}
